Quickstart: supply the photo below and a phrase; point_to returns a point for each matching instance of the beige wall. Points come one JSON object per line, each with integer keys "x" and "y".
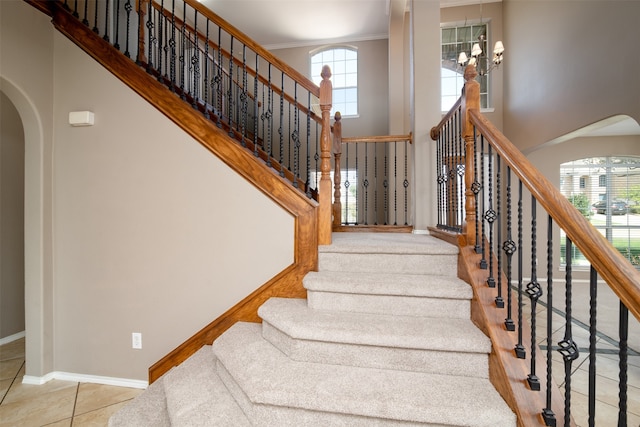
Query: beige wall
{"x": 373, "y": 80}
{"x": 11, "y": 219}
{"x": 568, "y": 64}
{"x": 151, "y": 233}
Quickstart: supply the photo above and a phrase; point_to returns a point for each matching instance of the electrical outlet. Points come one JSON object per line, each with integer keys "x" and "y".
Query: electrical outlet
{"x": 136, "y": 340}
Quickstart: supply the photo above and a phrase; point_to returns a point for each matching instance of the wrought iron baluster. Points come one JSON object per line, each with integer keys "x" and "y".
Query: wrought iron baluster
{"x": 509, "y": 247}
{"x": 295, "y": 136}
{"x": 160, "y": 28}
{"x": 475, "y": 188}
{"x": 405, "y": 183}
{"x": 150, "y": 37}
{"x": 490, "y": 216}
{"x": 365, "y": 183}
{"x": 358, "y": 212}
{"x": 219, "y": 81}
{"x": 499, "y": 300}
{"x": 195, "y": 64}
{"x": 593, "y": 301}
{"x": 95, "y": 17}
{"x": 440, "y": 178}
{"x": 181, "y": 58}
{"x": 230, "y": 90}
{"x": 308, "y": 114}
{"x": 534, "y": 291}
{"x": 395, "y": 181}
{"x": 128, "y": 8}
{"x": 117, "y": 35}
{"x": 269, "y": 117}
{"x": 105, "y": 37}
{"x": 281, "y": 129}
{"x": 256, "y": 112}
{"x": 172, "y": 47}
{"x": 519, "y": 348}
{"x": 244, "y": 96}
{"x": 347, "y": 184}
{"x": 375, "y": 184}
{"x": 205, "y": 95}
{"x": 483, "y": 234}
{"x": 85, "y": 21}
{"x": 547, "y": 414}
{"x": 460, "y": 169}
{"x": 385, "y": 183}
{"x": 624, "y": 355}
{"x": 75, "y": 9}
{"x": 567, "y": 347}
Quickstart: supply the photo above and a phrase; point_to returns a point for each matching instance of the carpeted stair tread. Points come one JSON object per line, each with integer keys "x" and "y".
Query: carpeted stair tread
{"x": 388, "y": 243}
{"x": 196, "y": 396}
{"x": 147, "y": 409}
{"x": 296, "y": 319}
{"x": 388, "y": 284}
{"x": 268, "y": 377}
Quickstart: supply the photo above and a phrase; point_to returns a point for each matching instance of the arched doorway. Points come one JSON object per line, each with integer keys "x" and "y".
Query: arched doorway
{"x": 37, "y": 239}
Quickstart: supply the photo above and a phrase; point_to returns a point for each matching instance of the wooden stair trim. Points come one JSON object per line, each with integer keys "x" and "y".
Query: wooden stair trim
{"x": 373, "y": 228}
{"x": 507, "y": 373}
{"x": 288, "y": 283}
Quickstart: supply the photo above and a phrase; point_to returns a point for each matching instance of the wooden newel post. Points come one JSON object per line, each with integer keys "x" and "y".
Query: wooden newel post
{"x": 324, "y": 195}
{"x": 470, "y": 100}
{"x": 337, "y": 153}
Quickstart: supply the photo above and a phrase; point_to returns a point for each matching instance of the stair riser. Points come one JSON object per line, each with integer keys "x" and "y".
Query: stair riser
{"x": 265, "y": 415}
{"x": 429, "y": 361}
{"x": 389, "y": 304}
{"x": 442, "y": 265}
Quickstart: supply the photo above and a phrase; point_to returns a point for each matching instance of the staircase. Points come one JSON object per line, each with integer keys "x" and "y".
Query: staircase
{"x": 384, "y": 339}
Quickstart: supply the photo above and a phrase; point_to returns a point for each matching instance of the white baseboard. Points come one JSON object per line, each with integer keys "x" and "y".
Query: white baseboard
{"x": 82, "y": 378}
{"x": 12, "y": 338}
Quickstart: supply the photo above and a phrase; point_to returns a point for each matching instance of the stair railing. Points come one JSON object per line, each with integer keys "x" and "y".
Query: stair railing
{"x": 373, "y": 176}
{"x": 269, "y": 107}
{"x": 487, "y": 190}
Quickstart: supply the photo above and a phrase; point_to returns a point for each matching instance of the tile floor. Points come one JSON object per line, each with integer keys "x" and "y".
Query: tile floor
{"x": 56, "y": 403}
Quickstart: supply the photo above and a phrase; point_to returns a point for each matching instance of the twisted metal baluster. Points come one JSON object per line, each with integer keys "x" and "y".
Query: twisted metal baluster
{"x": 483, "y": 261}
{"x": 230, "y": 92}
{"x": 535, "y": 292}
{"x": 281, "y": 129}
{"x": 593, "y": 300}
{"x": 205, "y": 94}
{"x": 219, "y": 82}
{"x": 509, "y": 247}
{"x": 475, "y": 188}
{"x": 547, "y": 414}
{"x": 308, "y": 142}
{"x": 624, "y": 353}
{"x": 160, "y": 27}
{"x": 195, "y": 64}
{"x": 490, "y": 216}
{"x": 150, "y": 37}
{"x": 395, "y": 181}
{"x": 375, "y": 185}
{"x": 519, "y": 348}
{"x": 255, "y": 113}
{"x": 295, "y": 136}
{"x": 269, "y": 117}
{"x": 440, "y": 179}
{"x": 567, "y": 347}
{"x": 499, "y": 299}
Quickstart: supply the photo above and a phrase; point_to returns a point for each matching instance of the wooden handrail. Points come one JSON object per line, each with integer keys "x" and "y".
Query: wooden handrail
{"x": 435, "y": 131}
{"x": 378, "y": 139}
{"x": 614, "y": 268}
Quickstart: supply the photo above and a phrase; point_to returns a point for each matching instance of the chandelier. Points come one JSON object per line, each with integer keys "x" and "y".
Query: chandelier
{"x": 479, "y": 59}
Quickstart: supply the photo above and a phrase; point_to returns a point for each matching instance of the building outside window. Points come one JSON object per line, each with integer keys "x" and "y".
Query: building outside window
{"x": 606, "y": 190}
{"x": 456, "y": 39}
{"x": 344, "y": 77}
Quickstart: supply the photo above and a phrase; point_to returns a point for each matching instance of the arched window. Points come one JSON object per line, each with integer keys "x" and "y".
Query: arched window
{"x": 344, "y": 77}
{"x": 606, "y": 190}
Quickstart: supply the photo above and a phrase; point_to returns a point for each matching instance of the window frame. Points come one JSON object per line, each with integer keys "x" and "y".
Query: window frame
{"x": 347, "y": 91}
{"x": 485, "y": 81}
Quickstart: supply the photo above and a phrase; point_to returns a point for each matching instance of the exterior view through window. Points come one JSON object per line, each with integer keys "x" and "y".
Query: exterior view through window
{"x": 344, "y": 77}
{"x": 606, "y": 190}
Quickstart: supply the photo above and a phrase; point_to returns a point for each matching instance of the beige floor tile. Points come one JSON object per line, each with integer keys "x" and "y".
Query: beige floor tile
{"x": 96, "y": 396}
{"x": 9, "y": 368}
{"x": 62, "y": 423}
{"x": 12, "y": 350}
{"x": 97, "y": 418}
{"x": 33, "y": 406}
